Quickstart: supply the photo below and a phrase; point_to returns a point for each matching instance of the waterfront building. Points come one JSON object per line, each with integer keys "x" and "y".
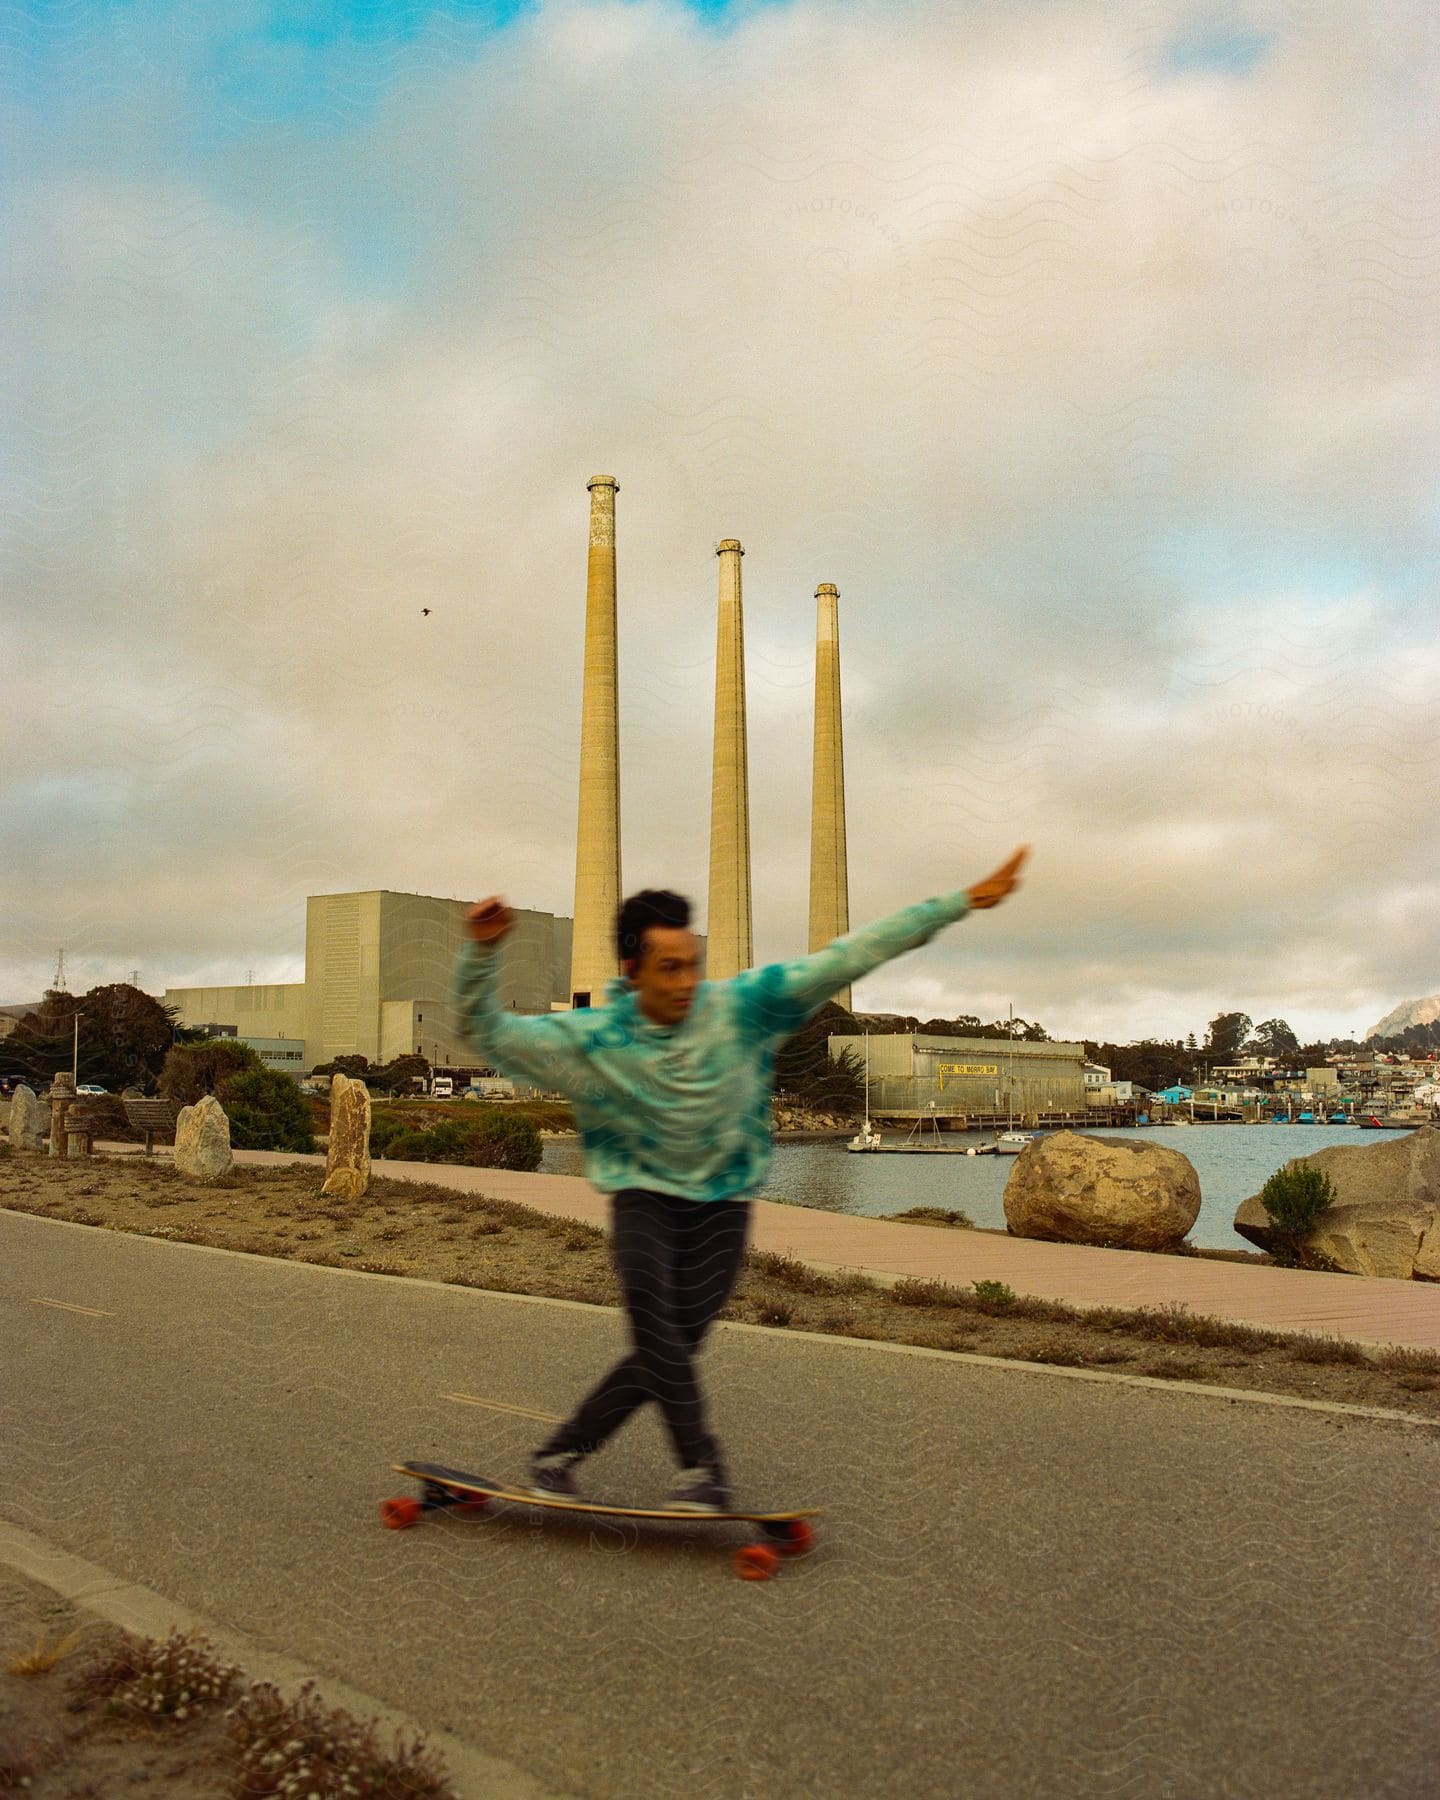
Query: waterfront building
{"x": 913, "y": 1074}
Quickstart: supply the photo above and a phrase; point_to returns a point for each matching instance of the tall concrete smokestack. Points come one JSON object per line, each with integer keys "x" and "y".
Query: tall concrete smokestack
{"x": 593, "y": 956}
{"x": 728, "y": 946}
{"x": 829, "y": 881}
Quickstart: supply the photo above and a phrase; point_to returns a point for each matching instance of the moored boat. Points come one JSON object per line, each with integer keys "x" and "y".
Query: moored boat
{"x": 1011, "y": 1143}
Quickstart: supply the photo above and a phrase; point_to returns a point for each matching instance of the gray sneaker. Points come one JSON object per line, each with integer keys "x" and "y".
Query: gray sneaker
{"x": 551, "y": 1476}
{"x": 701, "y": 1490}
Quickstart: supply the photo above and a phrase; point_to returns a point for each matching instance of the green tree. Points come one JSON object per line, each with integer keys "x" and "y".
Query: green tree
{"x": 1151, "y": 1064}
{"x": 805, "y": 1068}
{"x": 1273, "y": 1038}
{"x": 41, "y": 1044}
{"x": 356, "y": 1067}
{"x": 266, "y": 1111}
{"x": 1228, "y": 1031}
{"x": 396, "y": 1076}
{"x": 124, "y": 1036}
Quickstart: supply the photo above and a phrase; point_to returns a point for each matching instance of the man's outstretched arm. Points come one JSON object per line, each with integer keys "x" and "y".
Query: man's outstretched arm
{"x": 782, "y": 996}
{"x": 542, "y": 1050}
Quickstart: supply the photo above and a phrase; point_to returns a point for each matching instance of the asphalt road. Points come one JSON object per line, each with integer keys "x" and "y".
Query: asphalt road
{"x": 1025, "y": 1585}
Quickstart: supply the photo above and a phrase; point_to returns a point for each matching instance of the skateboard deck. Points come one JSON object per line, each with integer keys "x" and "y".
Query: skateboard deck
{"x": 790, "y": 1533}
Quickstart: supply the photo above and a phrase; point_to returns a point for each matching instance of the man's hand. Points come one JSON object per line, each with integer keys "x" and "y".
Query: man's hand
{"x": 488, "y": 920}
{"x": 994, "y": 888}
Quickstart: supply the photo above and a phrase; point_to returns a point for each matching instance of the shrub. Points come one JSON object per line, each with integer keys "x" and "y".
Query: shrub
{"x": 266, "y": 1111}
{"x": 913, "y": 1292}
{"x": 1295, "y": 1197}
{"x": 171, "y": 1677}
{"x": 492, "y": 1141}
{"x": 302, "y": 1747}
{"x": 193, "y": 1070}
{"x": 508, "y": 1141}
{"x": 385, "y": 1127}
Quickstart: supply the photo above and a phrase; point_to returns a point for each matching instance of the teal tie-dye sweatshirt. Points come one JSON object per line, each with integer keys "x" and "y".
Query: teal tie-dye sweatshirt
{"x": 681, "y": 1109}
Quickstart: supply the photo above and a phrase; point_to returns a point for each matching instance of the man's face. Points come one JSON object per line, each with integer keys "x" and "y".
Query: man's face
{"x": 668, "y": 973}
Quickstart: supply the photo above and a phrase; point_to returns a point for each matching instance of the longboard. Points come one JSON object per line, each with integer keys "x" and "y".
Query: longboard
{"x": 790, "y": 1533}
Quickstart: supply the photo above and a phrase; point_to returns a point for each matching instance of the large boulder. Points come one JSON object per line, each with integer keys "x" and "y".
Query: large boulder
{"x": 1125, "y": 1193}
{"x": 347, "y": 1151}
{"x": 202, "y": 1140}
{"x": 27, "y": 1120}
{"x": 1386, "y": 1215}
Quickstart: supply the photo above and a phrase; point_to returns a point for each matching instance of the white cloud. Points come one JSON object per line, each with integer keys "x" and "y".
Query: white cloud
{"x": 979, "y": 316}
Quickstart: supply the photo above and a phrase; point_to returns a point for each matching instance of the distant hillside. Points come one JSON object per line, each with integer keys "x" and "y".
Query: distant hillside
{"x": 1407, "y": 1014}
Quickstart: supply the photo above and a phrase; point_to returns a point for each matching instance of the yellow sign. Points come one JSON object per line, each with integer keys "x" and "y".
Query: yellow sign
{"x": 969, "y": 1069}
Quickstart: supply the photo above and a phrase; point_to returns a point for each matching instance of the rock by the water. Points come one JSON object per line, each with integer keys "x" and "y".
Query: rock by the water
{"x": 27, "y": 1120}
{"x": 1386, "y": 1215}
{"x": 202, "y": 1140}
{"x": 1122, "y": 1193}
{"x": 347, "y": 1153}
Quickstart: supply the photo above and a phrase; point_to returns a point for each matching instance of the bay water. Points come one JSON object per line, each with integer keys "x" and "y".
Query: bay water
{"x": 1232, "y": 1162}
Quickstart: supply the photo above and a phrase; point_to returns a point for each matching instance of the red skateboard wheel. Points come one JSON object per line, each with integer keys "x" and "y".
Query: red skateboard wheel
{"x": 397, "y": 1514}
{"x": 755, "y": 1562}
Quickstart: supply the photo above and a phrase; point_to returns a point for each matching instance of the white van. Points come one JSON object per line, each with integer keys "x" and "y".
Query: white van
{"x": 442, "y": 1087}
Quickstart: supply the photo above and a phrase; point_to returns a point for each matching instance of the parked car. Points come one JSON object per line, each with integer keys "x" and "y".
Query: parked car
{"x": 89, "y": 1087}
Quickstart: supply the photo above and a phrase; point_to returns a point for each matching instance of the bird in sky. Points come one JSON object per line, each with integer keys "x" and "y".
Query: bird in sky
{"x": 424, "y": 612}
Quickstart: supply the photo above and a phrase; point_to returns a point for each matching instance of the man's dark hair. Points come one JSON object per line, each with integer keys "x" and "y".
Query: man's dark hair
{"x": 655, "y": 906}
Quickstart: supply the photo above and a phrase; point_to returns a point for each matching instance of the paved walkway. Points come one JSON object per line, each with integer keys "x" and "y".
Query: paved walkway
{"x": 1357, "y": 1307}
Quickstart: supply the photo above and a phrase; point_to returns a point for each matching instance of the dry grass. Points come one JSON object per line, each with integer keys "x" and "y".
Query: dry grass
{"x": 44, "y": 1657}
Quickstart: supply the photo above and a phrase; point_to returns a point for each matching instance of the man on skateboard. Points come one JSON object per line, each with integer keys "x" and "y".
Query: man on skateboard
{"x": 671, "y": 1085}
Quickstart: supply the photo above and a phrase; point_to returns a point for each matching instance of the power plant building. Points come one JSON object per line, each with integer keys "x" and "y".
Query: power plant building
{"x": 377, "y": 980}
{"x": 915, "y": 1073}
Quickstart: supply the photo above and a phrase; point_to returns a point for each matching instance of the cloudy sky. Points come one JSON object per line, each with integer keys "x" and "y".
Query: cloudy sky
{"x": 1089, "y": 348}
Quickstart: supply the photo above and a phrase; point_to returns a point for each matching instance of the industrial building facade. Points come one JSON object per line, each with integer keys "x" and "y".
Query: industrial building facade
{"x": 913, "y": 1074}
{"x": 377, "y": 980}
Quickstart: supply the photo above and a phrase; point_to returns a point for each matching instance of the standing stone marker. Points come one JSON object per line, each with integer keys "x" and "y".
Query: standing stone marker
{"x": 202, "y": 1140}
{"x": 347, "y": 1155}
{"x": 62, "y": 1092}
{"x": 27, "y": 1120}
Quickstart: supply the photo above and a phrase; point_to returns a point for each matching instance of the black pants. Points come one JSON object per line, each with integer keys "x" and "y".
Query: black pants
{"x": 678, "y": 1262}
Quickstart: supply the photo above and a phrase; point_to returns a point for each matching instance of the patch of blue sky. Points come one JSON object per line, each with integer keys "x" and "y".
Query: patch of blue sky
{"x": 1228, "y": 49}
{"x": 330, "y": 62}
{"x": 1251, "y": 563}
